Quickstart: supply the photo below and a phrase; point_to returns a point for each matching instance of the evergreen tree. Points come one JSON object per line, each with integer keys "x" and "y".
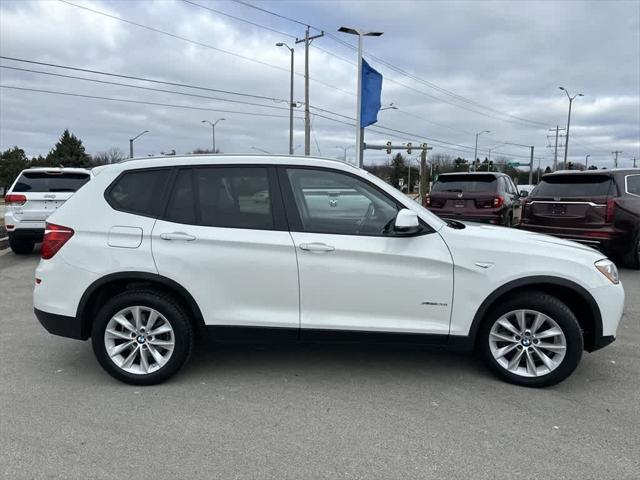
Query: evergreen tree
{"x": 69, "y": 152}
{"x": 12, "y": 162}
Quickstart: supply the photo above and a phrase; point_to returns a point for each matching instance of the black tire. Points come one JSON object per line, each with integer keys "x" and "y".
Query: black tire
{"x": 21, "y": 246}
{"x": 632, "y": 258}
{"x": 173, "y": 313}
{"x": 508, "y": 220}
{"x": 553, "y": 308}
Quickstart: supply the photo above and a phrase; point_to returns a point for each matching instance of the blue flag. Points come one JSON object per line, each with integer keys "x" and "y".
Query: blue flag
{"x": 371, "y": 91}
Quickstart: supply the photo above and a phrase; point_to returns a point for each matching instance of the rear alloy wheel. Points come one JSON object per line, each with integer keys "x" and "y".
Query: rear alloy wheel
{"x": 141, "y": 337}
{"x": 532, "y": 340}
{"x": 21, "y": 246}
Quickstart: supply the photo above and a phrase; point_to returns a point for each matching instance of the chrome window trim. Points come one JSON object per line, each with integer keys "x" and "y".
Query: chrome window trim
{"x": 626, "y": 184}
{"x": 591, "y": 204}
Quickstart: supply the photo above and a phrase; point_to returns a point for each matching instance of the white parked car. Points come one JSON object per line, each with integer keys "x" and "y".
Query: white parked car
{"x": 35, "y": 194}
{"x": 154, "y": 253}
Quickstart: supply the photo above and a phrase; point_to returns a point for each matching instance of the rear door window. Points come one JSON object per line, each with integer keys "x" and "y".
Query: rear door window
{"x": 50, "y": 182}
{"x": 633, "y": 184}
{"x": 466, "y": 183}
{"x": 586, "y": 185}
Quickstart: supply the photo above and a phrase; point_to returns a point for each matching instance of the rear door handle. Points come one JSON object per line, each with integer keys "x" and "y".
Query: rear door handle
{"x": 177, "y": 236}
{"x": 316, "y": 247}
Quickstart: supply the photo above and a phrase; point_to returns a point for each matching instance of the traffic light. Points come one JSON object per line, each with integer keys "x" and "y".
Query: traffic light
{"x": 389, "y": 148}
{"x": 409, "y": 148}
{"x": 491, "y": 165}
{"x": 570, "y": 165}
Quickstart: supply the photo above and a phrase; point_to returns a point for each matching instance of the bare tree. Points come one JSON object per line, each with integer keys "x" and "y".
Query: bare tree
{"x": 113, "y": 155}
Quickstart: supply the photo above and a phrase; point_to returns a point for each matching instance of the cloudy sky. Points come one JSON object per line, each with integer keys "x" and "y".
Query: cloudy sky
{"x": 451, "y": 68}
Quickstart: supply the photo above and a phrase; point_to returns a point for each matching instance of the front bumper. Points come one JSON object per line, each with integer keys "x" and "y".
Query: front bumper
{"x": 62, "y": 325}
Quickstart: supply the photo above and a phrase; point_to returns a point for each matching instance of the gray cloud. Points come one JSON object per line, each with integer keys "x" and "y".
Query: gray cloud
{"x": 510, "y": 56}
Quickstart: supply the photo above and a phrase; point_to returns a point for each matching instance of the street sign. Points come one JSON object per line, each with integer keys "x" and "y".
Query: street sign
{"x": 516, "y": 164}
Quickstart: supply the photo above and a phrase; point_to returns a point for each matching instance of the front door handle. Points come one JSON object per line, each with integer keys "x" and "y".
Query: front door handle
{"x": 316, "y": 247}
{"x": 177, "y": 236}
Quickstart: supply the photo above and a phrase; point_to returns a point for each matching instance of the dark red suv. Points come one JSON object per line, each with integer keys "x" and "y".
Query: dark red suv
{"x": 600, "y": 208}
{"x": 488, "y": 197}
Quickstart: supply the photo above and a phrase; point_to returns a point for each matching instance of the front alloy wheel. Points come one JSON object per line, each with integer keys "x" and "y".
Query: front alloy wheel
{"x": 527, "y": 343}
{"x": 532, "y": 339}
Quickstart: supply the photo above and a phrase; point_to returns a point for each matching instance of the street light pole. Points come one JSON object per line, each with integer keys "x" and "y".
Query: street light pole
{"x": 475, "y": 153}
{"x": 291, "y": 104}
{"x": 213, "y": 132}
{"x": 359, "y": 129}
{"x": 586, "y": 161}
{"x": 344, "y": 149}
{"x": 566, "y": 140}
{"x": 131, "y": 140}
{"x": 261, "y": 150}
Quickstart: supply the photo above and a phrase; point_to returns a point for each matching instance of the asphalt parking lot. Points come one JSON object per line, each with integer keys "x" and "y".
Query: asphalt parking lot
{"x": 313, "y": 412}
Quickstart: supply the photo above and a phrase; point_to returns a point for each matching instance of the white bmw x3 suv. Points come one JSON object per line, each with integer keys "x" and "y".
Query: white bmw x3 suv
{"x": 155, "y": 253}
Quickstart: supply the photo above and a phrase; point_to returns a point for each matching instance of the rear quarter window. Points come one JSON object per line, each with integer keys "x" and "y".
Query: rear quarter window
{"x": 139, "y": 191}
{"x": 574, "y": 186}
{"x": 633, "y": 184}
{"x": 50, "y": 182}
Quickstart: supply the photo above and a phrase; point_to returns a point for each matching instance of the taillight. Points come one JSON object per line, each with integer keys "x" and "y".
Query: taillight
{"x": 55, "y": 236}
{"x": 427, "y": 200}
{"x": 611, "y": 210}
{"x": 15, "y": 199}
{"x": 497, "y": 201}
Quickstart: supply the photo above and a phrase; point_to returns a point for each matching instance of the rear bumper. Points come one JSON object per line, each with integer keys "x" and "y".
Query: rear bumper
{"x": 61, "y": 325}
{"x": 609, "y": 240}
{"x": 21, "y": 233}
{"x": 33, "y": 230}
{"x": 494, "y": 219}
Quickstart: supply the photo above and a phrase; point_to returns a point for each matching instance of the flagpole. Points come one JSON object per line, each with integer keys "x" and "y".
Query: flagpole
{"x": 359, "y": 129}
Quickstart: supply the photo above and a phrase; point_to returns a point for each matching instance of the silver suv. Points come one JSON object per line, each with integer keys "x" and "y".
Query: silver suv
{"x": 36, "y": 194}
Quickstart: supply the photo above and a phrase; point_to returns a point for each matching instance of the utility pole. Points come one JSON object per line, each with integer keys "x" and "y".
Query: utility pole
{"x": 555, "y": 150}
{"x": 634, "y": 162}
{"x": 307, "y": 120}
{"x": 531, "y": 167}
{"x": 615, "y": 162}
{"x": 424, "y": 179}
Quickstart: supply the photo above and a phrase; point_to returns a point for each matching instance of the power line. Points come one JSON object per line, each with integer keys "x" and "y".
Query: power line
{"x": 143, "y": 88}
{"x": 403, "y": 72}
{"x": 140, "y": 102}
{"x": 143, "y": 79}
{"x": 279, "y": 32}
{"x": 201, "y": 44}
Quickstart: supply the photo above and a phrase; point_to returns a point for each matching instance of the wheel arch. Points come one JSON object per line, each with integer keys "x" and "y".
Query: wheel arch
{"x": 112, "y": 284}
{"x": 576, "y": 297}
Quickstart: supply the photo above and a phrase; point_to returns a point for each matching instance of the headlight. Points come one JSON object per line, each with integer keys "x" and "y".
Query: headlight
{"x": 608, "y": 269}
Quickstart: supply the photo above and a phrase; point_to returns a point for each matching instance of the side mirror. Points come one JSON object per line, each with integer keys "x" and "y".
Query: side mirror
{"x": 524, "y": 193}
{"x": 406, "y": 221}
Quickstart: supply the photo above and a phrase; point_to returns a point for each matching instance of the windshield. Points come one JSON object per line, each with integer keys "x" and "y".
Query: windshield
{"x": 465, "y": 183}
{"x": 50, "y": 182}
{"x": 574, "y": 186}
